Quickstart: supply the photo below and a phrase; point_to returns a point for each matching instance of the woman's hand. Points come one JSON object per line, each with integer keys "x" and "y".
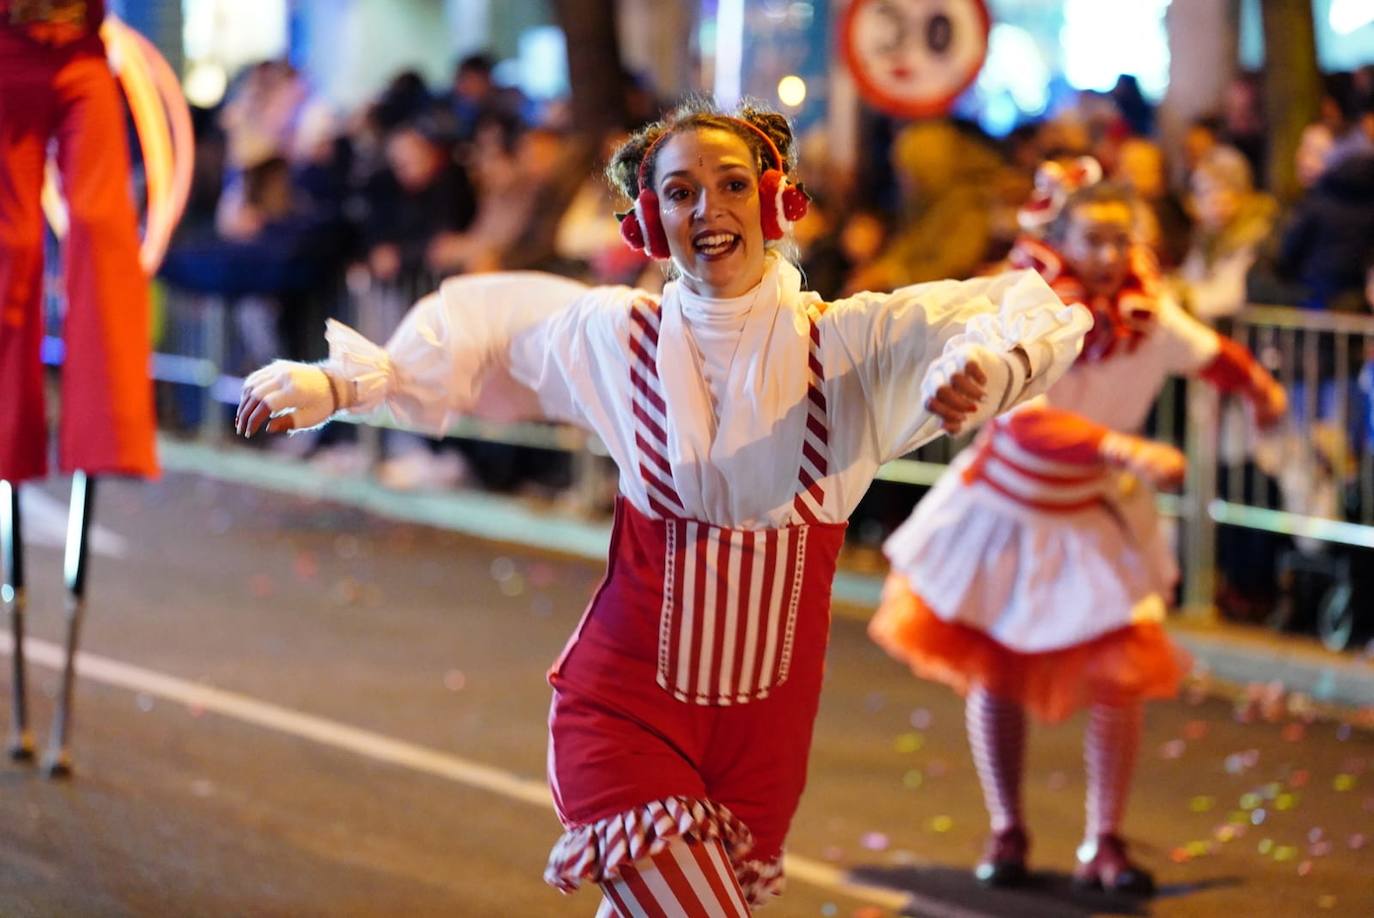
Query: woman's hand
{"x": 959, "y": 398}
{"x": 285, "y": 395}
{"x": 1160, "y": 464}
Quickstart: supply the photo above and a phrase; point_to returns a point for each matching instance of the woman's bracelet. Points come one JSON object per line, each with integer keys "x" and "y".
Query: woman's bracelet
{"x": 333, "y": 389}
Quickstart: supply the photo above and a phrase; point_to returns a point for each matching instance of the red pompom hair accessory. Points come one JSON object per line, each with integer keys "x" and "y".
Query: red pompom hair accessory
{"x": 781, "y": 202}
{"x": 1053, "y": 185}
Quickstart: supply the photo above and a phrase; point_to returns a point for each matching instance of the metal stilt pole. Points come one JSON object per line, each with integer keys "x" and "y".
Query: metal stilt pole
{"x": 12, "y": 592}
{"x": 57, "y": 760}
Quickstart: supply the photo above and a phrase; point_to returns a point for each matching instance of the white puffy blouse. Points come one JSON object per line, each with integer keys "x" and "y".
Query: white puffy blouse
{"x": 733, "y": 372}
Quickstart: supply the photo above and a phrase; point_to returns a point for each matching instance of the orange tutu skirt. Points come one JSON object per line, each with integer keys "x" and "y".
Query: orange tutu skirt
{"x": 1129, "y": 664}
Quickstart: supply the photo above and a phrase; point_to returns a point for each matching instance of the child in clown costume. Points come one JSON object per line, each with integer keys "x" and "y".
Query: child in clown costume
{"x": 746, "y": 418}
{"x": 1034, "y": 576}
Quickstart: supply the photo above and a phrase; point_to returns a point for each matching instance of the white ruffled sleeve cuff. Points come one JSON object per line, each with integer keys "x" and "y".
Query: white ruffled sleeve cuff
{"x": 366, "y": 369}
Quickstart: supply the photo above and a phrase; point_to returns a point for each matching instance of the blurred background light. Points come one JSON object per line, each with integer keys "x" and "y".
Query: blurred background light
{"x": 792, "y": 91}
{"x": 1102, "y": 41}
{"x": 204, "y": 84}
{"x": 1345, "y": 16}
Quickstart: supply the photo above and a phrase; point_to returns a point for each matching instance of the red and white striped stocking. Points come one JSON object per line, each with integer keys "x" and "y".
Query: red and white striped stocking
{"x": 1109, "y": 752}
{"x": 997, "y": 736}
{"x": 682, "y": 881}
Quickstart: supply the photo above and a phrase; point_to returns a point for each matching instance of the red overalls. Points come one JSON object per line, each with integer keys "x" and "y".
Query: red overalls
{"x": 65, "y": 91}
{"x": 683, "y": 704}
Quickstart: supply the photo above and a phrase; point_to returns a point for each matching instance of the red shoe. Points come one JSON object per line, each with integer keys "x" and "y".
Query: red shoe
{"x": 1004, "y": 858}
{"x": 1103, "y": 864}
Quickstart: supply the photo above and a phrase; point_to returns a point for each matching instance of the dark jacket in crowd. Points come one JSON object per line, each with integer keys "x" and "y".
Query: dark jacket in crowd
{"x": 410, "y": 220}
{"x": 1330, "y": 236}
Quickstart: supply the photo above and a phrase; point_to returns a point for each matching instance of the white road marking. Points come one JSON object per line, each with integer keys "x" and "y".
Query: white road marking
{"x": 401, "y": 754}
{"x": 44, "y": 519}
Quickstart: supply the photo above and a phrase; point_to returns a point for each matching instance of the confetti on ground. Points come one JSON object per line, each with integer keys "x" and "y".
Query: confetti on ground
{"x": 346, "y": 547}
{"x": 1265, "y": 846}
{"x": 1202, "y": 804}
{"x": 1304, "y": 868}
{"x": 1285, "y": 802}
{"x": 941, "y": 824}
{"x": 1173, "y": 749}
{"x": 513, "y": 585}
{"x": 1293, "y": 733}
{"x": 1343, "y": 782}
{"x": 502, "y": 569}
{"x": 1356, "y": 841}
{"x": 1195, "y": 729}
{"x": 913, "y": 779}
{"x": 1257, "y": 816}
{"x": 543, "y": 576}
{"x": 909, "y": 742}
{"x": 874, "y": 841}
{"x": 347, "y": 591}
{"x": 1299, "y": 778}
{"x": 306, "y": 567}
{"x": 1326, "y": 902}
{"x": 921, "y": 719}
{"x": 1285, "y": 853}
{"x": 454, "y": 680}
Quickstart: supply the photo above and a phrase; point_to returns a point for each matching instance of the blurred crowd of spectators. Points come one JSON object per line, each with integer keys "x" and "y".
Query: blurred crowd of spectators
{"x": 949, "y": 206}
{"x": 300, "y": 212}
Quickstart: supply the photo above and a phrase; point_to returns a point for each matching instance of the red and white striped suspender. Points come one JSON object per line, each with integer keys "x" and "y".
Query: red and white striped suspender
{"x": 651, "y": 421}
{"x": 651, "y": 415}
{"x": 730, "y": 596}
{"x": 815, "y": 464}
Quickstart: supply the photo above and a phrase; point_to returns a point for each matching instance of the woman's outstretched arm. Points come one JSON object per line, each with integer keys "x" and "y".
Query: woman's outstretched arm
{"x": 451, "y": 355}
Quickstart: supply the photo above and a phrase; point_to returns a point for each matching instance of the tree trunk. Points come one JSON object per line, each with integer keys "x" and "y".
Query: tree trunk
{"x": 594, "y": 65}
{"x": 1203, "y": 39}
{"x": 1292, "y": 86}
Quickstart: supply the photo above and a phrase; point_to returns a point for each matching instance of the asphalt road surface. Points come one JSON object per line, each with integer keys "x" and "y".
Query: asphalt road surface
{"x": 292, "y": 708}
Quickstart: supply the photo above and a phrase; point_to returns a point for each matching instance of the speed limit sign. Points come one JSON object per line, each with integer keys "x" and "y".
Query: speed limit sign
{"x": 912, "y": 58}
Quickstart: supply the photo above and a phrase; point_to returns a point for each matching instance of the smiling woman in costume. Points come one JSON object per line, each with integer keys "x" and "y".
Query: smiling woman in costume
{"x": 746, "y": 418}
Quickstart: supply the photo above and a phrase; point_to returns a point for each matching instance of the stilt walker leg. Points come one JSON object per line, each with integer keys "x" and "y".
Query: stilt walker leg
{"x": 57, "y": 761}
{"x": 12, "y": 592}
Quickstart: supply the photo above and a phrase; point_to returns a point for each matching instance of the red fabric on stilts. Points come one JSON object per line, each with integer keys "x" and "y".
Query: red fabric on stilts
{"x": 107, "y": 424}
